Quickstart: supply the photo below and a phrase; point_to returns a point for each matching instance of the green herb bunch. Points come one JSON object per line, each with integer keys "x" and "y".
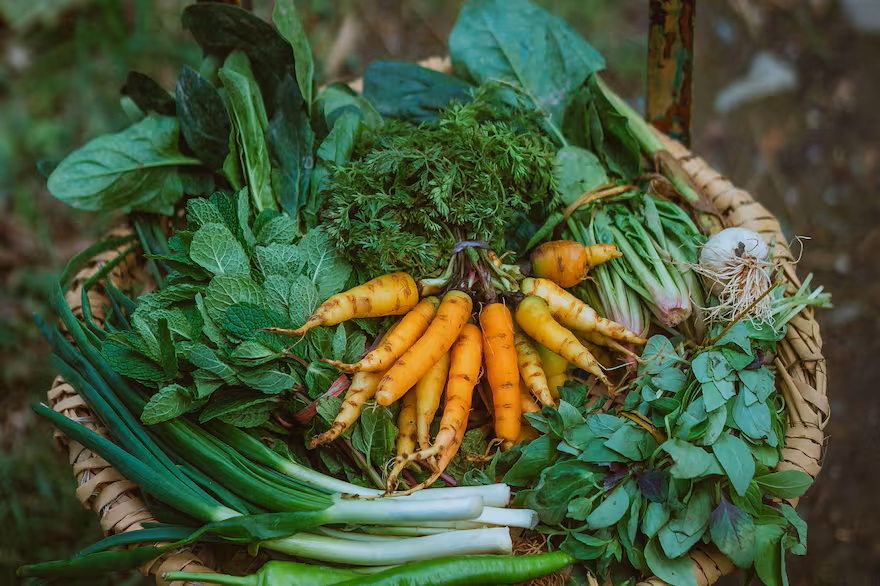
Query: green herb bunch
{"x": 198, "y": 340}
{"x": 410, "y": 192}
{"x": 689, "y": 459}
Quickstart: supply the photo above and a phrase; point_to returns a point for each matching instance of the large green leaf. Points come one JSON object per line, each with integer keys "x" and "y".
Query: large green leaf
{"x": 204, "y": 121}
{"x": 135, "y": 169}
{"x": 411, "y": 92}
{"x": 517, "y": 42}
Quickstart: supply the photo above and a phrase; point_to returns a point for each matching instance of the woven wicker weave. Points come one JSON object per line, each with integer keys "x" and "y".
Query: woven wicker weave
{"x": 800, "y": 368}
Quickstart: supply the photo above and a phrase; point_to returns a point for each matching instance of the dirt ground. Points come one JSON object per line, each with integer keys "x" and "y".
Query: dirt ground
{"x": 806, "y": 144}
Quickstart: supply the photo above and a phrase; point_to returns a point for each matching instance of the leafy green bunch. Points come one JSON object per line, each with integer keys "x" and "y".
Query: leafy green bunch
{"x": 199, "y": 339}
{"x": 689, "y": 459}
{"x": 410, "y": 192}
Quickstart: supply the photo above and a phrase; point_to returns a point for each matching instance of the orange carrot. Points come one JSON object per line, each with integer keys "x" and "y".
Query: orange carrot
{"x": 406, "y": 332}
{"x": 429, "y": 391}
{"x": 574, "y": 313}
{"x": 533, "y": 315}
{"x": 502, "y": 369}
{"x": 406, "y": 425}
{"x": 464, "y": 370}
{"x": 566, "y": 262}
{"x": 531, "y": 368}
{"x": 391, "y": 294}
{"x": 453, "y": 313}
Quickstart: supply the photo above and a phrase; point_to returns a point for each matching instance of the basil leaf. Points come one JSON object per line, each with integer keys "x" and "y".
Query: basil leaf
{"x": 518, "y": 42}
{"x": 690, "y": 461}
{"x": 678, "y": 571}
{"x": 612, "y": 508}
{"x": 735, "y": 458}
{"x": 536, "y": 456}
{"x": 787, "y": 484}
{"x": 733, "y": 531}
{"x": 135, "y": 169}
{"x": 769, "y": 555}
{"x": 687, "y": 526}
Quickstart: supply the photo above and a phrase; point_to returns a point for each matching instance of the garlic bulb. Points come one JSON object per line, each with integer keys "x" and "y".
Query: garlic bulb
{"x": 735, "y": 266}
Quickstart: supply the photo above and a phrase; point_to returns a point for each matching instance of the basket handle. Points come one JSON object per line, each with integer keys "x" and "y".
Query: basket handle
{"x": 670, "y": 67}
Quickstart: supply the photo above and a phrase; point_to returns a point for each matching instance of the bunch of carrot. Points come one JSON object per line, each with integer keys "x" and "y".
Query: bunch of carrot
{"x": 439, "y": 345}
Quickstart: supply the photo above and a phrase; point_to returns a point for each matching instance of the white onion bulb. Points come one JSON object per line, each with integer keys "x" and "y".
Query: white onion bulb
{"x": 735, "y": 265}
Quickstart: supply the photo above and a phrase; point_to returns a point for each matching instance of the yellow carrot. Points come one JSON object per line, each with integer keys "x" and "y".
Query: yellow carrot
{"x": 527, "y": 402}
{"x": 555, "y": 367}
{"x": 406, "y": 426}
{"x": 453, "y": 313}
{"x": 566, "y": 262}
{"x": 533, "y": 316}
{"x": 429, "y": 391}
{"x": 409, "y": 329}
{"x": 391, "y": 294}
{"x": 502, "y": 371}
{"x": 464, "y": 370}
{"x": 531, "y": 368}
{"x": 574, "y": 313}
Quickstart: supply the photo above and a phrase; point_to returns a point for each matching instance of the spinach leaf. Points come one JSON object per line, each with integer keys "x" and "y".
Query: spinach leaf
{"x": 222, "y": 28}
{"x": 291, "y": 146}
{"x": 408, "y": 91}
{"x": 131, "y": 170}
{"x": 577, "y": 171}
{"x": 517, "y": 42}
{"x": 204, "y": 121}
{"x": 249, "y": 115}
{"x": 290, "y": 27}
{"x": 148, "y": 94}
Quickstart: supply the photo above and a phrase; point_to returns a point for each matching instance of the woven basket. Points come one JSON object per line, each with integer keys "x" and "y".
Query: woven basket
{"x": 800, "y": 369}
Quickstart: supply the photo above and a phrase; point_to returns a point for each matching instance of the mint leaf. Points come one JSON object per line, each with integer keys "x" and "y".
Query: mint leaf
{"x": 328, "y": 407}
{"x": 319, "y": 377}
{"x": 216, "y": 249}
{"x": 536, "y": 456}
{"x": 167, "y": 403}
{"x": 735, "y": 458}
{"x": 281, "y": 229}
{"x": 253, "y": 351}
{"x": 225, "y": 291}
{"x": 119, "y": 349}
{"x": 279, "y": 259}
{"x": 355, "y": 345}
{"x": 206, "y": 382}
{"x": 786, "y": 484}
{"x": 251, "y": 417}
{"x": 235, "y": 400}
{"x": 302, "y": 299}
{"x": 204, "y": 357}
{"x": 325, "y": 267}
{"x": 733, "y": 531}
{"x": 271, "y": 379}
{"x": 200, "y": 212}
{"x": 243, "y": 320}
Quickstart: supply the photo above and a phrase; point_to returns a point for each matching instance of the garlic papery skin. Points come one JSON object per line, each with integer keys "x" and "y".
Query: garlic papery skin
{"x": 725, "y": 246}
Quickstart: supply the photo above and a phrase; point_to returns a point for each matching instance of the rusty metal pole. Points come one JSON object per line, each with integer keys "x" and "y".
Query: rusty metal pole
{"x": 670, "y": 67}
